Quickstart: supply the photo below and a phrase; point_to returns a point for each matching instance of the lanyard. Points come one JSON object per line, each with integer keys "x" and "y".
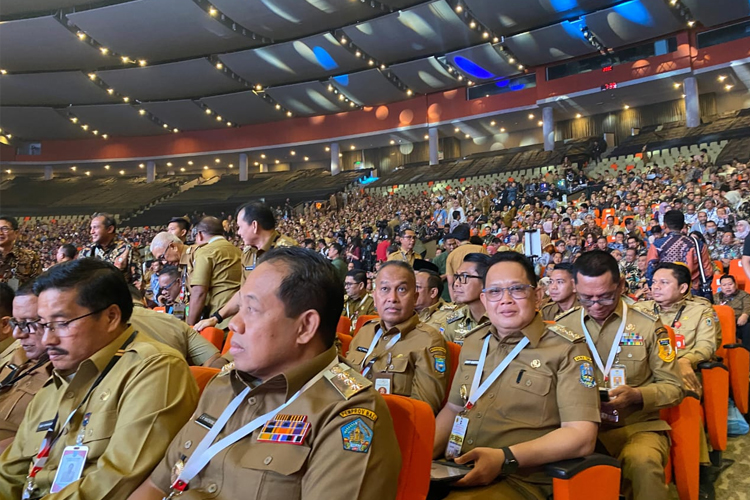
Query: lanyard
{"x": 358, "y": 305}
{"x": 13, "y": 378}
{"x": 478, "y": 390}
{"x": 205, "y": 451}
{"x": 615, "y": 345}
{"x": 366, "y": 367}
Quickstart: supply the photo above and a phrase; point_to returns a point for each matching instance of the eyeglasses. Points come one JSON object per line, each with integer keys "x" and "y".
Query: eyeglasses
{"x": 60, "y": 328}
{"x": 518, "y": 292}
{"x": 163, "y": 256}
{"x": 167, "y": 287}
{"x": 350, "y": 283}
{"x": 463, "y": 278}
{"x": 604, "y": 301}
{"x": 5, "y": 229}
{"x": 408, "y": 237}
{"x": 24, "y": 326}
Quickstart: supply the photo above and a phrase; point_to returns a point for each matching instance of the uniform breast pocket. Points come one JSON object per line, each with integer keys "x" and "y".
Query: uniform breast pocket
{"x": 274, "y": 470}
{"x": 635, "y": 360}
{"x": 528, "y": 401}
{"x": 355, "y": 357}
{"x": 99, "y": 430}
{"x": 403, "y": 375}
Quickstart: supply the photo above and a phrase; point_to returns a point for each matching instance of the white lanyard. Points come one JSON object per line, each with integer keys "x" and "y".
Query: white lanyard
{"x": 375, "y": 341}
{"x": 613, "y": 350}
{"x": 205, "y": 451}
{"x": 358, "y": 306}
{"x": 478, "y": 390}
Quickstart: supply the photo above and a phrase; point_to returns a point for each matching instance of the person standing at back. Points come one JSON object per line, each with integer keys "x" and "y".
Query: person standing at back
{"x": 461, "y": 234}
{"x": 106, "y": 246}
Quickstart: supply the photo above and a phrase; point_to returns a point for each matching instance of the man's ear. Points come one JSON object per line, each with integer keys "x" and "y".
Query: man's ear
{"x": 307, "y": 326}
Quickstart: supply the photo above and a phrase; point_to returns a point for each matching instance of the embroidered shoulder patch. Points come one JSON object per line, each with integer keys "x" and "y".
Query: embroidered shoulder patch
{"x": 587, "y": 375}
{"x": 363, "y": 412}
{"x": 357, "y": 436}
{"x": 566, "y": 333}
{"x": 439, "y": 363}
{"x": 667, "y": 352}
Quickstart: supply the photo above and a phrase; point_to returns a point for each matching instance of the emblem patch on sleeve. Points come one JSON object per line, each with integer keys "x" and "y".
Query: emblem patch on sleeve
{"x": 439, "y": 363}
{"x": 357, "y": 436}
{"x": 667, "y": 353}
{"x": 587, "y": 375}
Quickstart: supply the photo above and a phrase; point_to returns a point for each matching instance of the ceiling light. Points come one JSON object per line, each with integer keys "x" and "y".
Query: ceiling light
{"x": 330, "y": 88}
{"x": 74, "y": 119}
{"x": 459, "y": 8}
{"x": 351, "y": 104}
{"x": 259, "y": 87}
{"x": 218, "y": 118}
{"x": 217, "y": 160}
{"x": 212, "y": 11}
{"x": 278, "y": 106}
{"x": 88, "y": 173}
{"x": 182, "y": 169}
{"x": 327, "y": 148}
{"x": 393, "y": 142}
{"x": 165, "y": 125}
{"x": 95, "y": 132}
{"x": 293, "y": 153}
{"x": 169, "y": 163}
{"x": 141, "y": 112}
{"x": 231, "y": 165}
{"x": 306, "y": 158}
{"x": 578, "y": 115}
{"x": 104, "y": 50}
{"x": 460, "y": 78}
{"x": 691, "y": 23}
{"x": 722, "y": 78}
{"x": 105, "y": 136}
{"x": 683, "y": 96}
{"x": 208, "y": 111}
{"x": 205, "y": 167}
{"x": 382, "y": 66}
{"x": 426, "y": 137}
{"x": 81, "y": 35}
{"x": 492, "y": 123}
{"x": 190, "y": 162}
{"x": 472, "y": 25}
{"x": 73, "y": 168}
{"x": 728, "y": 86}
{"x": 229, "y": 124}
{"x": 502, "y": 129}
{"x": 9, "y": 136}
{"x": 255, "y": 163}
{"x": 342, "y": 97}
{"x": 677, "y": 85}
{"x": 371, "y": 62}
{"x": 627, "y": 106}
{"x": 126, "y": 99}
{"x": 540, "y": 123}
{"x": 343, "y": 40}
{"x": 276, "y": 161}
{"x": 457, "y": 130}
{"x": 289, "y": 114}
{"x": 122, "y": 172}
{"x": 92, "y": 76}
{"x": 520, "y": 67}
{"x": 175, "y": 130}
{"x": 341, "y": 154}
{"x": 495, "y": 39}
{"x": 409, "y": 92}
{"x": 125, "y": 59}
{"x": 141, "y": 165}
{"x": 351, "y": 147}
{"x": 141, "y": 62}
{"x": 8, "y": 171}
{"x": 219, "y": 65}
{"x": 110, "y": 91}
{"x": 3, "y": 72}
{"x": 467, "y": 136}
{"x": 511, "y": 60}
{"x": 85, "y": 127}
{"x": 106, "y": 167}
{"x": 263, "y": 156}
{"x": 531, "y": 116}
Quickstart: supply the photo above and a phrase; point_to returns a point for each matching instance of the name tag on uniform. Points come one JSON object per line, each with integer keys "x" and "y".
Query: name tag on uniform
{"x": 206, "y": 421}
{"x": 45, "y": 426}
{"x": 472, "y": 362}
{"x": 70, "y": 468}
{"x": 456, "y": 439}
{"x": 384, "y": 383}
{"x": 362, "y": 349}
{"x": 617, "y": 376}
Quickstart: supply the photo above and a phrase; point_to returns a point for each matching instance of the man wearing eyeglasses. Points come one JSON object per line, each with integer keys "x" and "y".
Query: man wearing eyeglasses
{"x": 172, "y": 294}
{"x": 7, "y": 346}
{"x": 461, "y": 234}
{"x": 114, "y": 400}
{"x": 524, "y": 394}
{"x": 17, "y": 265}
{"x": 169, "y": 249}
{"x": 636, "y": 362}
{"x": 468, "y": 310}
{"x": 406, "y": 251}
{"x": 357, "y": 301}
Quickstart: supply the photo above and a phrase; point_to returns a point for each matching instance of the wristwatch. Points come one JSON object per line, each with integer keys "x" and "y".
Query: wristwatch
{"x": 510, "y": 465}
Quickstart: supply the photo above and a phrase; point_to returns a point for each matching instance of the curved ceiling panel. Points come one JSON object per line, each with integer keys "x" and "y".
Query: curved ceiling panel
{"x": 631, "y": 22}
{"x": 117, "y": 119}
{"x": 424, "y": 76}
{"x": 550, "y": 44}
{"x": 369, "y": 88}
{"x": 481, "y": 63}
{"x": 159, "y": 30}
{"x": 432, "y": 28}
{"x": 243, "y": 108}
{"x": 308, "y": 99}
{"x": 309, "y": 59}
{"x": 717, "y": 11}
{"x": 194, "y": 78}
{"x": 24, "y": 7}
{"x": 49, "y": 89}
{"x": 184, "y": 115}
{"x": 39, "y": 123}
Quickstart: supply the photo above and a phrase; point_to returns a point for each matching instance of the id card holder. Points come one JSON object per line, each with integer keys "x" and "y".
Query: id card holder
{"x": 384, "y": 383}
{"x": 179, "y": 311}
{"x": 71, "y": 467}
{"x": 456, "y": 439}
{"x": 679, "y": 341}
{"x": 613, "y": 417}
{"x": 14, "y": 283}
{"x": 617, "y": 376}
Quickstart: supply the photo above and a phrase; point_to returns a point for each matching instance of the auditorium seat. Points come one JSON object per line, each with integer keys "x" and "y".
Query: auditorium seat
{"x": 227, "y": 343}
{"x": 735, "y": 357}
{"x": 345, "y": 340}
{"x": 214, "y": 335}
{"x": 202, "y": 375}
{"x": 344, "y": 325}
{"x": 735, "y": 269}
{"x": 362, "y": 320}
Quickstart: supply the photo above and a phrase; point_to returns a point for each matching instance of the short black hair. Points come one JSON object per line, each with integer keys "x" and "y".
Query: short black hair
{"x": 6, "y": 300}
{"x": 182, "y": 222}
{"x": 258, "y": 211}
{"x": 564, "y": 266}
{"x": 595, "y": 263}
{"x": 516, "y": 257}
{"x": 210, "y": 225}
{"x": 109, "y": 219}
{"x": 433, "y": 280}
{"x": 26, "y": 289}
{"x": 674, "y": 220}
{"x": 358, "y": 275}
{"x": 336, "y": 247}
{"x": 171, "y": 271}
{"x": 728, "y": 277}
{"x": 69, "y": 250}
{"x": 98, "y": 284}
{"x": 10, "y": 220}
{"x": 680, "y": 272}
{"x": 135, "y": 294}
{"x": 480, "y": 260}
{"x": 310, "y": 283}
{"x": 396, "y": 263}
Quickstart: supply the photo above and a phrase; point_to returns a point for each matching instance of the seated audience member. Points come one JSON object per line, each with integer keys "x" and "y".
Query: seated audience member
{"x": 116, "y": 392}
{"x": 7, "y": 345}
{"x": 468, "y": 311}
{"x": 562, "y": 292}
{"x": 357, "y": 301}
{"x": 398, "y": 353}
{"x": 106, "y": 245}
{"x": 542, "y": 407}
{"x": 18, "y": 264}
{"x": 172, "y": 292}
{"x": 429, "y": 301}
{"x": 739, "y": 301}
{"x": 286, "y": 376}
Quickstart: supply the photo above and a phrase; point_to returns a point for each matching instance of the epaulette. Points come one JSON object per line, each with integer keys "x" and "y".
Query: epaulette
{"x": 566, "y": 333}
{"x": 650, "y": 315}
{"x": 457, "y": 315}
{"x": 565, "y": 313}
{"x": 484, "y": 325}
{"x": 448, "y": 307}
{"x": 698, "y": 299}
{"x": 226, "y": 369}
{"x": 346, "y": 380}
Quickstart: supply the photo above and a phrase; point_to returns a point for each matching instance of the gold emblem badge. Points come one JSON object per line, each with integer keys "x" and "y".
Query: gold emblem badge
{"x": 536, "y": 363}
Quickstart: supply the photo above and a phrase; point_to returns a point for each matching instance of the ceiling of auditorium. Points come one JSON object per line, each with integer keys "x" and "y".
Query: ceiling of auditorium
{"x": 149, "y": 67}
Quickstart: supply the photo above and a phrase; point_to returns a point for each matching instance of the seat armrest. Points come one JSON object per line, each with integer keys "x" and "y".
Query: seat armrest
{"x": 567, "y": 469}
{"x": 708, "y": 365}
{"x": 732, "y": 346}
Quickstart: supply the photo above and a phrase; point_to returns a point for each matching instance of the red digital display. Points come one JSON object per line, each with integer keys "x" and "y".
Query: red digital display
{"x": 609, "y": 86}
{"x": 605, "y": 69}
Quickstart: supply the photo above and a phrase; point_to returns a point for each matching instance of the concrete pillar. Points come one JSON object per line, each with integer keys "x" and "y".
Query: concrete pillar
{"x": 548, "y": 128}
{"x": 48, "y": 173}
{"x": 243, "y": 167}
{"x": 263, "y": 168}
{"x": 433, "y": 136}
{"x": 335, "y": 160}
{"x": 150, "y": 171}
{"x": 692, "y": 103}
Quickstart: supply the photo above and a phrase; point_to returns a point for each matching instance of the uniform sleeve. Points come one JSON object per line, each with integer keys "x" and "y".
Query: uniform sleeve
{"x": 577, "y": 395}
{"x": 464, "y": 373}
{"x": 666, "y": 388}
{"x": 449, "y": 271}
{"x": 705, "y": 338}
{"x": 156, "y": 403}
{"x": 202, "y": 270}
{"x": 431, "y": 373}
{"x": 199, "y": 349}
{"x": 370, "y": 475}
{"x": 14, "y": 463}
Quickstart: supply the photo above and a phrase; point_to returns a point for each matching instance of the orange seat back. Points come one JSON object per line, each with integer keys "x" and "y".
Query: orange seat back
{"x": 362, "y": 320}
{"x": 736, "y": 270}
{"x": 736, "y": 357}
{"x": 202, "y": 375}
{"x": 345, "y": 339}
{"x": 344, "y": 326}
{"x": 454, "y": 353}
{"x": 214, "y": 335}
{"x": 227, "y": 343}
{"x": 415, "y": 431}
{"x": 685, "y": 420}
{"x": 715, "y": 407}
{"x": 601, "y": 482}
{"x": 728, "y": 328}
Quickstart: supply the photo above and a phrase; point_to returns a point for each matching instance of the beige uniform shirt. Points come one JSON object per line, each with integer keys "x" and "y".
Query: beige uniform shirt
{"x": 8, "y": 350}
{"x": 217, "y": 267}
{"x": 14, "y": 399}
{"x": 650, "y": 365}
{"x": 551, "y": 381}
{"x": 418, "y": 362}
{"x": 323, "y": 466}
{"x": 434, "y": 314}
{"x": 251, "y": 255}
{"x": 135, "y": 412}
{"x": 551, "y": 310}
{"x": 456, "y": 325}
{"x": 697, "y": 327}
{"x": 408, "y": 257}
{"x": 354, "y": 308}
{"x": 456, "y": 257}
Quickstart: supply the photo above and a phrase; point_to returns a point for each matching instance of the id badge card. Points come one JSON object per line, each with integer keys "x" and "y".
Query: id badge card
{"x": 179, "y": 311}
{"x": 679, "y": 341}
{"x": 70, "y": 468}
{"x": 456, "y": 439}
{"x": 617, "y": 376}
{"x": 384, "y": 383}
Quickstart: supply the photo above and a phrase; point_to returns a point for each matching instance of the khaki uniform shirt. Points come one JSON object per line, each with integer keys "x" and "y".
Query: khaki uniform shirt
{"x": 456, "y": 325}
{"x": 434, "y": 314}
{"x": 19, "y": 263}
{"x": 8, "y": 351}
{"x": 322, "y": 466}
{"x": 15, "y": 398}
{"x": 187, "y": 262}
{"x": 418, "y": 362}
{"x": 218, "y": 268}
{"x": 408, "y": 257}
{"x": 251, "y": 254}
{"x": 354, "y": 308}
{"x": 550, "y": 382}
{"x": 456, "y": 257}
{"x": 177, "y": 334}
{"x": 649, "y": 360}
{"x": 551, "y": 310}
{"x": 135, "y": 412}
{"x": 739, "y": 302}
{"x": 697, "y": 327}
{"x": 120, "y": 254}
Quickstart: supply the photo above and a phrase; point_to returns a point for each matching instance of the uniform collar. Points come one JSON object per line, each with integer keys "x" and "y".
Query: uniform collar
{"x": 185, "y": 255}
{"x": 533, "y": 331}
{"x": 214, "y": 238}
{"x": 429, "y": 311}
{"x": 674, "y": 307}
{"x": 402, "y": 328}
{"x": 5, "y": 344}
{"x": 269, "y": 244}
{"x": 617, "y": 313}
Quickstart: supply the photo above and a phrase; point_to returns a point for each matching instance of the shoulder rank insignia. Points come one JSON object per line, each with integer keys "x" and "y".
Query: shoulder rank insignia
{"x": 454, "y": 317}
{"x": 346, "y": 380}
{"x": 481, "y": 326}
{"x": 226, "y": 369}
{"x": 565, "y": 313}
{"x": 649, "y": 314}
{"x": 565, "y": 333}
{"x": 448, "y": 307}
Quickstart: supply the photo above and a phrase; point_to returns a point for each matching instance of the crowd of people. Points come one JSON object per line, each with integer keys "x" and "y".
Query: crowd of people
{"x": 103, "y": 312}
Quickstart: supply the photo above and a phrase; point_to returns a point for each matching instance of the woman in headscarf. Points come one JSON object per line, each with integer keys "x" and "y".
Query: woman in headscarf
{"x": 743, "y": 229}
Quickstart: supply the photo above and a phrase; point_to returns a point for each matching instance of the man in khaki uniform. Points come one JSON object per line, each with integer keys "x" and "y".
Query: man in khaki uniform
{"x": 461, "y": 234}
{"x": 357, "y": 301}
{"x": 126, "y": 394}
{"x": 642, "y": 379}
{"x": 28, "y": 369}
{"x": 542, "y": 407}
{"x": 320, "y": 445}
{"x": 406, "y": 252}
{"x": 562, "y": 292}
{"x": 17, "y": 264}
{"x": 739, "y": 301}
{"x": 398, "y": 353}
{"x": 217, "y": 272}
{"x": 429, "y": 302}
{"x": 7, "y": 344}
{"x": 256, "y": 226}
{"x": 468, "y": 312}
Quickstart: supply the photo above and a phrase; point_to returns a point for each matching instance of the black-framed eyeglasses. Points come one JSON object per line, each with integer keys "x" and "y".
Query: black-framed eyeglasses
{"x": 518, "y": 292}
{"x": 5, "y": 229}
{"x": 350, "y": 283}
{"x": 24, "y": 326}
{"x": 463, "y": 278}
{"x": 60, "y": 328}
{"x": 604, "y": 301}
{"x": 167, "y": 287}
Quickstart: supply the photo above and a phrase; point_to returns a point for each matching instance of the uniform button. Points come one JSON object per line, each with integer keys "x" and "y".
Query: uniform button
{"x": 470, "y": 441}
{"x": 630, "y": 354}
{"x": 491, "y": 396}
{"x": 390, "y": 367}
{"x": 69, "y": 394}
{"x": 267, "y": 460}
{"x": 251, "y": 401}
{"x": 188, "y": 444}
{"x": 212, "y": 488}
{"x": 528, "y": 383}
{"x": 386, "y": 338}
{"x": 479, "y": 415}
{"x": 91, "y": 432}
{"x": 369, "y": 376}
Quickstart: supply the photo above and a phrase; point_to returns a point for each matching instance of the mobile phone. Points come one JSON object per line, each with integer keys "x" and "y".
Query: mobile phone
{"x": 604, "y": 395}
{"x": 449, "y": 471}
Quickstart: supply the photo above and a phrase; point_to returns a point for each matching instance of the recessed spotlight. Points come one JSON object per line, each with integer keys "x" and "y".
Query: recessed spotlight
{"x": 106, "y": 167}
{"x": 306, "y": 158}
{"x": 472, "y": 24}
{"x": 459, "y": 8}
{"x": 457, "y": 130}
{"x": 141, "y": 112}
{"x": 175, "y": 130}
{"x": 217, "y": 160}
{"x": 722, "y": 78}
{"x": 467, "y": 136}
{"x": 169, "y": 163}
{"x": 104, "y": 50}
{"x": 626, "y": 106}
{"x": 231, "y": 165}
{"x": 289, "y": 114}
{"x": 293, "y": 153}
{"x": 73, "y": 168}
{"x": 182, "y": 169}
{"x": 208, "y": 111}
{"x": 531, "y": 116}
{"x": 502, "y": 129}
{"x": 276, "y": 162}
{"x": 212, "y": 11}
{"x": 190, "y": 162}
{"x": 105, "y": 136}
{"x": 141, "y": 62}
{"x": 492, "y": 123}
{"x": 141, "y": 165}
{"x": 205, "y": 167}
{"x": 352, "y": 147}
{"x": 81, "y": 35}
{"x": 393, "y": 142}
{"x": 263, "y": 155}
{"x": 218, "y": 118}
{"x": 327, "y": 149}
{"x": 122, "y": 172}
{"x": 88, "y": 173}
{"x": 728, "y": 87}
{"x": 540, "y": 123}
{"x": 578, "y": 115}
{"x": 219, "y": 65}
{"x": 677, "y": 85}
{"x": 255, "y": 163}
{"x": 229, "y": 124}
